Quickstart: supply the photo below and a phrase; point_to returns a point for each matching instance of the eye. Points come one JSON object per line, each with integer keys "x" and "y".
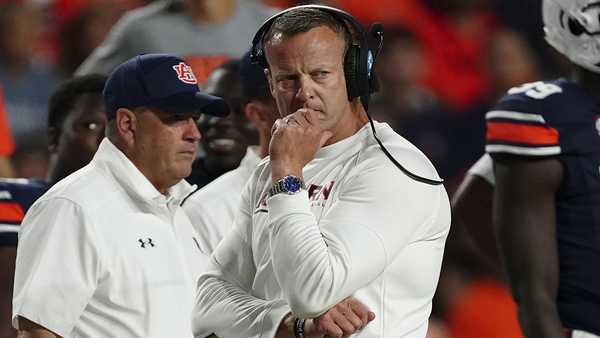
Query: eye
{"x": 320, "y": 74}
{"x": 286, "y": 81}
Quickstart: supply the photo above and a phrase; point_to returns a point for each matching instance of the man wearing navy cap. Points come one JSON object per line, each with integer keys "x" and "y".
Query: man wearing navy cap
{"x": 108, "y": 251}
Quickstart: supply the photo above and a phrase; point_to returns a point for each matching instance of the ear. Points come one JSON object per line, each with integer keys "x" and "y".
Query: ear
{"x": 126, "y": 123}
{"x": 53, "y": 139}
{"x": 271, "y": 85}
{"x": 257, "y": 114}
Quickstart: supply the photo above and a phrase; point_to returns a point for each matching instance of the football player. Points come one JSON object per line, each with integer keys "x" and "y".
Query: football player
{"x": 543, "y": 168}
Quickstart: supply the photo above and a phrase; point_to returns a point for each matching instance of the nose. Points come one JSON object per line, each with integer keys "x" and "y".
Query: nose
{"x": 192, "y": 133}
{"x": 305, "y": 90}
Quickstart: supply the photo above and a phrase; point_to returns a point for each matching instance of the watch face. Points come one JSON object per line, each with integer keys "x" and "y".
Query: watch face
{"x": 291, "y": 184}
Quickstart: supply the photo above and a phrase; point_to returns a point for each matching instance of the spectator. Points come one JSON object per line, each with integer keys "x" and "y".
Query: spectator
{"x": 27, "y": 81}
{"x": 205, "y": 32}
{"x": 7, "y": 145}
{"x": 225, "y": 140}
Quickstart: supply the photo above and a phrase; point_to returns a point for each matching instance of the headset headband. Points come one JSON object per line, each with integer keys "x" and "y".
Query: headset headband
{"x": 257, "y": 48}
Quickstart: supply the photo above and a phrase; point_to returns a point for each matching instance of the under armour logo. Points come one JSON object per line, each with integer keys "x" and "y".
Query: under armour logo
{"x": 144, "y": 243}
{"x": 185, "y": 73}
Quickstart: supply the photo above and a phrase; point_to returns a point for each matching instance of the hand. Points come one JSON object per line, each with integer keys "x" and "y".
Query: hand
{"x": 295, "y": 139}
{"x": 342, "y": 320}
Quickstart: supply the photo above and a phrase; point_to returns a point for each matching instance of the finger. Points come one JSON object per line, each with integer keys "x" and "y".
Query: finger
{"x": 329, "y": 328}
{"x": 343, "y": 323}
{"x": 276, "y": 125}
{"x": 355, "y": 320}
{"x": 307, "y": 115}
{"x": 359, "y": 309}
{"x": 300, "y": 117}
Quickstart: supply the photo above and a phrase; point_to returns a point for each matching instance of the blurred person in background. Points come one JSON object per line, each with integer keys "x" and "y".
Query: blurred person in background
{"x": 82, "y": 26}
{"x": 511, "y": 62}
{"x": 76, "y": 121}
{"x": 212, "y": 208}
{"x": 205, "y": 33}
{"x": 225, "y": 140}
{"x": 542, "y": 171}
{"x": 7, "y": 145}
{"x": 27, "y": 79}
{"x": 404, "y": 102}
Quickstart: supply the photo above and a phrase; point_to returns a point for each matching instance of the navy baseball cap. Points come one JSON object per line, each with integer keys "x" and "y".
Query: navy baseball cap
{"x": 253, "y": 79}
{"x": 162, "y": 81}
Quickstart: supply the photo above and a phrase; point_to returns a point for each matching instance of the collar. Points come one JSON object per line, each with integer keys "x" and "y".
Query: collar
{"x": 251, "y": 159}
{"x": 132, "y": 179}
{"x": 340, "y": 147}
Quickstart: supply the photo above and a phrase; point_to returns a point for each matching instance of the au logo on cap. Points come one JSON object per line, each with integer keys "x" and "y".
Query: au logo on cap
{"x": 185, "y": 73}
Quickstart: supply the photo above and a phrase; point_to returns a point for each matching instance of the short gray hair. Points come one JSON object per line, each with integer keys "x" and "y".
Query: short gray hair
{"x": 302, "y": 20}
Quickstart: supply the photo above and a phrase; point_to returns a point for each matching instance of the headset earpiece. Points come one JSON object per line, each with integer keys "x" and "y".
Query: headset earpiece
{"x": 351, "y": 71}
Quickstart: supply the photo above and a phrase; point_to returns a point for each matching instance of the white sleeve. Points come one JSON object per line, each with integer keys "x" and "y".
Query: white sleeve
{"x": 484, "y": 168}
{"x": 376, "y": 216}
{"x": 58, "y": 266}
{"x": 206, "y": 222}
{"x": 224, "y": 305}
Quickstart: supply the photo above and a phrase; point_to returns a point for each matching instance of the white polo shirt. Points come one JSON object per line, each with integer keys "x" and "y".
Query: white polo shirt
{"x": 212, "y": 208}
{"x": 104, "y": 254}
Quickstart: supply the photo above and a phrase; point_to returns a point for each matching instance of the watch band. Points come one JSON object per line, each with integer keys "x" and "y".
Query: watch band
{"x": 299, "y": 328}
{"x": 288, "y": 184}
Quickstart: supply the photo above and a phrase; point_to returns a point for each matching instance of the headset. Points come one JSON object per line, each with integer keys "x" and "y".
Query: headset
{"x": 359, "y": 61}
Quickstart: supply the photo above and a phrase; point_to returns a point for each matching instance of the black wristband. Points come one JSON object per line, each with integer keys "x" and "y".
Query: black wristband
{"x": 299, "y": 328}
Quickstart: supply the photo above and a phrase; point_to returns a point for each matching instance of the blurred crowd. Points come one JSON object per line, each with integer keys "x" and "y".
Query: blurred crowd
{"x": 443, "y": 63}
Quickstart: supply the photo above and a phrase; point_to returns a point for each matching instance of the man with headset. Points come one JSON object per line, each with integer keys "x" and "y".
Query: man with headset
{"x": 328, "y": 215}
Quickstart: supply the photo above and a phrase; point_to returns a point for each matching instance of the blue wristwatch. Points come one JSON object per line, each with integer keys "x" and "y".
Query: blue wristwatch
{"x": 288, "y": 184}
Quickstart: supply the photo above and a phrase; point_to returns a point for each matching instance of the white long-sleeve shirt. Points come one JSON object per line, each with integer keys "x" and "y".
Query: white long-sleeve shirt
{"x": 362, "y": 228}
{"x": 212, "y": 208}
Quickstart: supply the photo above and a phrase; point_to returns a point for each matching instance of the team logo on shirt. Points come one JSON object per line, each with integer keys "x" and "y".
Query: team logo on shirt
{"x": 148, "y": 243}
{"x": 185, "y": 73}
{"x": 318, "y": 194}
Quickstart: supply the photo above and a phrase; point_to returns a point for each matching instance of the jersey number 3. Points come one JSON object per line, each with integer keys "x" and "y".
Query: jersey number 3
{"x": 537, "y": 90}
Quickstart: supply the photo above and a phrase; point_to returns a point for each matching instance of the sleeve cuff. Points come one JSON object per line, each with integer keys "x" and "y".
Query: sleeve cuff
{"x": 281, "y": 205}
{"x": 273, "y": 318}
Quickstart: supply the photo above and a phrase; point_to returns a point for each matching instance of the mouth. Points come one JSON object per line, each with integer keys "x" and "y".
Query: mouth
{"x": 223, "y": 144}
{"x": 189, "y": 153}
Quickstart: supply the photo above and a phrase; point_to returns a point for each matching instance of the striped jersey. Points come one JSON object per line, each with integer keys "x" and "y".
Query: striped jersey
{"x": 560, "y": 119}
{"x": 16, "y": 196}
